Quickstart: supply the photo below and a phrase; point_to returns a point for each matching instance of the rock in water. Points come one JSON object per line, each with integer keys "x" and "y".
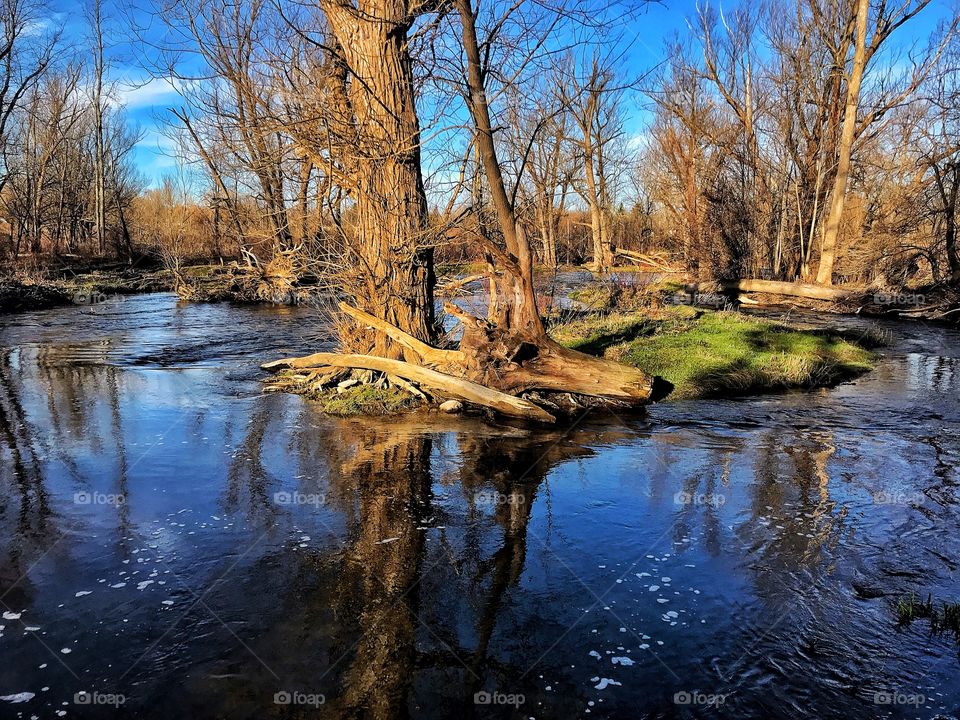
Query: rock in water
{"x": 451, "y": 406}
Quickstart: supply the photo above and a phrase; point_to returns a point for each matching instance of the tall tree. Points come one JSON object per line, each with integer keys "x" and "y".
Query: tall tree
{"x": 95, "y": 20}
{"x": 857, "y": 46}
{"x": 24, "y": 58}
{"x": 393, "y": 239}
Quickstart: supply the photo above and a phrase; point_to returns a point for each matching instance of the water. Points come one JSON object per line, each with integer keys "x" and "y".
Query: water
{"x": 265, "y": 558}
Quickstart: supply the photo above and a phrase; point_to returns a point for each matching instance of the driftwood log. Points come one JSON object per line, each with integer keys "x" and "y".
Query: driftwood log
{"x": 775, "y": 287}
{"x": 457, "y": 387}
{"x": 657, "y": 261}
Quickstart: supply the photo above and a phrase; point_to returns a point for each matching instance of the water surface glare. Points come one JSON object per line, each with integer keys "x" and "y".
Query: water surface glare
{"x": 176, "y": 544}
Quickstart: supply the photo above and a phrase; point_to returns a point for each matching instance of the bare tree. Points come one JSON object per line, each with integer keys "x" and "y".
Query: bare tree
{"x": 593, "y": 100}
{"x": 862, "y": 38}
{"x": 24, "y": 57}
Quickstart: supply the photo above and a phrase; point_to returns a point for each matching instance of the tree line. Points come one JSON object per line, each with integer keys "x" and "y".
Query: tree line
{"x": 809, "y": 140}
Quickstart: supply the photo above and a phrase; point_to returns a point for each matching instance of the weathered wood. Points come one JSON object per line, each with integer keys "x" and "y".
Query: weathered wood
{"x": 430, "y": 355}
{"x": 774, "y": 287}
{"x": 460, "y": 388}
{"x": 516, "y": 362}
{"x": 408, "y": 386}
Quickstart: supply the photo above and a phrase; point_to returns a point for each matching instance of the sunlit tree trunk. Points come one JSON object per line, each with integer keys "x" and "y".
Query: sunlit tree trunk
{"x": 828, "y": 251}
{"x": 395, "y": 259}
{"x": 99, "y": 155}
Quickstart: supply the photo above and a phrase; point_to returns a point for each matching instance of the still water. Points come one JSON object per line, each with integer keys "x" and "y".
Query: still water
{"x": 176, "y": 544}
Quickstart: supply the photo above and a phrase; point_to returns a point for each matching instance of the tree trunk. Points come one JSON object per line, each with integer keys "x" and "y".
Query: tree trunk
{"x": 950, "y": 231}
{"x": 828, "y": 252}
{"x": 517, "y": 302}
{"x": 99, "y": 158}
{"x": 395, "y": 259}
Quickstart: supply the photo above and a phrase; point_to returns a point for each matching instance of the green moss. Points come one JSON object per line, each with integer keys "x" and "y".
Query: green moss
{"x": 368, "y": 400}
{"x": 719, "y": 353}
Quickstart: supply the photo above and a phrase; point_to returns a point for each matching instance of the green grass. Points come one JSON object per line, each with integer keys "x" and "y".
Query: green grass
{"x": 596, "y": 296}
{"x": 949, "y": 618}
{"x": 910, "y": 608}
{"x": 719, "y": 353}
{"x": 946, "y": 618}
{"x": 368, "y": 400}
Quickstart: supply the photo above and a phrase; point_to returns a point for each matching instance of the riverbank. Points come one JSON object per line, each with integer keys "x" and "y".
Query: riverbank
{"x": 80, "y": 285}
{"x": 706, "y": 353}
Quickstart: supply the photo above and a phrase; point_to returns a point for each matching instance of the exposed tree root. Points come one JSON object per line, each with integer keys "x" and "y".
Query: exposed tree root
{"x": 459, "y": 388}
{"x": 492, "y": 368}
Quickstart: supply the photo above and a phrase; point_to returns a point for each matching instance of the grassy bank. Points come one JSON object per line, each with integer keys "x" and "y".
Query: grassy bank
{"x": 706, "y": 353}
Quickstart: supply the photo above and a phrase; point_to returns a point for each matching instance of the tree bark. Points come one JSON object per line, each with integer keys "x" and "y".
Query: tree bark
{"x": 516, "y": 296}
{"x": 395, "y": 259}
{"x": 950, "y": 230}
{"x": 828, "y": 252}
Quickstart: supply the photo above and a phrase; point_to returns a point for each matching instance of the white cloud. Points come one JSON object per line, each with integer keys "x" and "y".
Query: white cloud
{"x": 155, "y": 91}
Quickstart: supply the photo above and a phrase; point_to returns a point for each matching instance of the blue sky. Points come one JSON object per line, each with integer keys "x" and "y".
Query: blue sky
{"x": 147, "y": 99}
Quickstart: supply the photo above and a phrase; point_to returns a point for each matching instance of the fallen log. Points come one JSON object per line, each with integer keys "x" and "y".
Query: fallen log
{"x": 775, "y": 287}
{"x": 434, "y": 357}
{"x": 516, "y": 362}
{"x": 459, "y": 388}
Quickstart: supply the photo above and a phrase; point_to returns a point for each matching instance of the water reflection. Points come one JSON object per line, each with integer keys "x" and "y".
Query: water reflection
{"x": 399, "y": 567}
{"x": 24, "y": 501}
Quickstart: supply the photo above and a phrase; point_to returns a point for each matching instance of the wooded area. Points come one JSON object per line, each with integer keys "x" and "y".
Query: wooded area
{"x": 360, "y": 143}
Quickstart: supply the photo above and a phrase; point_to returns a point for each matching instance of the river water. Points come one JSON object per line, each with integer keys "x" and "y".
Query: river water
{"x": 176, "y": 544}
